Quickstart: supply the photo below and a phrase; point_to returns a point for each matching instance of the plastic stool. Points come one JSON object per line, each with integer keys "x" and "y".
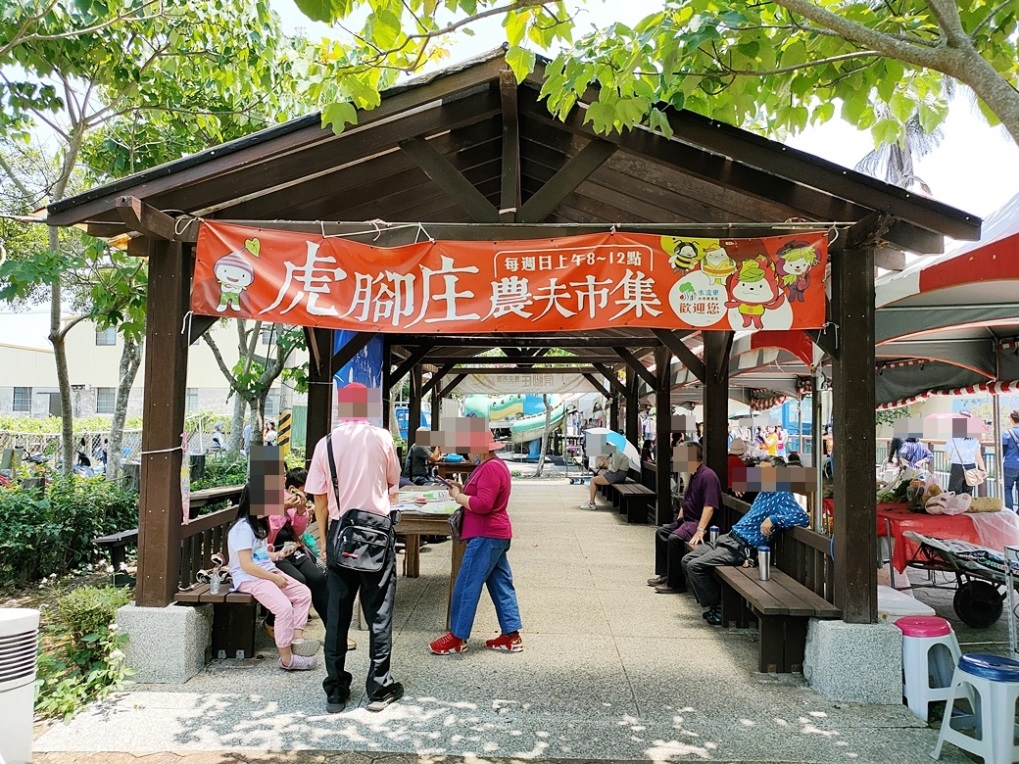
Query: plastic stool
{"x": 996, "y": 683}
{"x": 930, "y": 653}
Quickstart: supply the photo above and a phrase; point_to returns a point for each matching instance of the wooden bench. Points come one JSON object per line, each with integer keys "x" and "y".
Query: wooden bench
{"x": 234, "y": 614}
{"x": 782, "y": 608}
{"x": 234, "y": 618}
{"x": 632, "y": 500}
{"x": 117, "y": 544}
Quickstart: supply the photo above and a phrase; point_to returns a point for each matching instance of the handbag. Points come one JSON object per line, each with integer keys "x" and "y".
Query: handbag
{"x": 973, "y": 476}
{"x": 456, "y": 523}
{"x": 363, "y": 540}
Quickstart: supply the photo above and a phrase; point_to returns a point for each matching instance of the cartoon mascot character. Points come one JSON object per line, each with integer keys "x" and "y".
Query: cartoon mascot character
{"x": 753, "y": 289}
{"x": 683, "y": 255}
{"x": 235, "y": 274}
{"x": 717, "y": 265}
{"x": 795, "y": 260}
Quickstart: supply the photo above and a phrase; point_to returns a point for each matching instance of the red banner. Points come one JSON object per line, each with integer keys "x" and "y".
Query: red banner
{"x": 571, "y": 283}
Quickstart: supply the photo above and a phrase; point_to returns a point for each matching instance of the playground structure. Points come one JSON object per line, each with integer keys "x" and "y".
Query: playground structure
{"x": 522, "y": 416}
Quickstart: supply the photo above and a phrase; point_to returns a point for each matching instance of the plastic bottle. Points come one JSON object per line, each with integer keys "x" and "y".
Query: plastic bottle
{"x": 764, "y": 563}
{"x": 214, "y": 581}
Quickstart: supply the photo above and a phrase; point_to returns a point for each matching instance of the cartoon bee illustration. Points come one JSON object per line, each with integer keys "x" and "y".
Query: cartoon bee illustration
{"x": 683, "y": 255}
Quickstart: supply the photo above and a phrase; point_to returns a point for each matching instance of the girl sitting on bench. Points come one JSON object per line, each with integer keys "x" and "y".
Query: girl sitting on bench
{"x": 253, "y": 572}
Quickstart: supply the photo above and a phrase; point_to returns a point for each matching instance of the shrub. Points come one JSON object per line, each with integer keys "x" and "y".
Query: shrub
{"x": 223, "y": 472}
{"x": 82, "y": 659}
{"x": 53, "y": 533}
{"x": 89, "y": 609}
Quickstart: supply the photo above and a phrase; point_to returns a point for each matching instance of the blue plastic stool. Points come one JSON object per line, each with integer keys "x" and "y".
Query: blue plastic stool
{"x": 995, "y": 681}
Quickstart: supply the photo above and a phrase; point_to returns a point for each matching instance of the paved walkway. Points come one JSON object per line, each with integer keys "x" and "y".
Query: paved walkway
{"x": 611, "y": 670}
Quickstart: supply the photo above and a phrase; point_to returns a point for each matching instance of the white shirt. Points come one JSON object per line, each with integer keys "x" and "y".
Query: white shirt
{"x": 239, "y": 538}
{"x": 962, "y": 450}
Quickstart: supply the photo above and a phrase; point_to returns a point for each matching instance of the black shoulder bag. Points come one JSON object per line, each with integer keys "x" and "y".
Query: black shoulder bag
{"x": 364, "y": 539}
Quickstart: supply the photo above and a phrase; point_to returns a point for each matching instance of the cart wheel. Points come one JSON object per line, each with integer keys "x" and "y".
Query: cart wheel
{"x": 978, "y": 603}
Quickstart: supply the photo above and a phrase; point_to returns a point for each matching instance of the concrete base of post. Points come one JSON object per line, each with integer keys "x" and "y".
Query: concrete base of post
{"x": 854, "y": 662}
{"x": 166, "y": 645}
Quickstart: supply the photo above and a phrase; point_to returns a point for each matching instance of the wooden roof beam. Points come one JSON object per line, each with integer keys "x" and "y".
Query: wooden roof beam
{"x": 144, "y": 219}
{"x": 509, "y": 191}
{"x": 521, "y": 363}
{"x": 436, "y": 378}
{"x": 612, "y": 378}
{"x": 452, "y": 385}
{"x": 715, "y": 168}
{"x": 278, "y": 140}
{"x": 633, "y": 363}
{"x": 488, "y": 370}
{"x": 450, "y": 180}
{"x": 674, "y": 342}
{"x": 413, "y": 358}
{"x": 564, "y": 182}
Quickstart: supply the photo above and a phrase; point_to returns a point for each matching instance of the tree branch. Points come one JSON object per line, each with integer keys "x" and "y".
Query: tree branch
{"x": 987, "y": 19}
{"x": 886, "y": 44}
{"x": 20, "y": 38}
{"x": 947, "y": 15}
{"x": 231, "y": 380}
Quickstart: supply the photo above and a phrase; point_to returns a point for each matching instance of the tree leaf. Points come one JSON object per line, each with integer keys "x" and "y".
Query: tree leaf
{"x": 338, "y": 115}
{"x": 521, "y": 61}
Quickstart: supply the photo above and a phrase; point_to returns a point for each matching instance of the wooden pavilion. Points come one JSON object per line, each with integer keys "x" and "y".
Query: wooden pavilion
{"x": 473, "y": 155}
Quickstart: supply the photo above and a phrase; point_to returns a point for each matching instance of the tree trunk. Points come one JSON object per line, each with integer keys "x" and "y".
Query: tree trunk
{"x": 258, "y": 419}
{"x": 233, "y": 443}
{"x": 130, "y": 362}
{"x": 60, "y": 357}
{"x": 544, "y": 436}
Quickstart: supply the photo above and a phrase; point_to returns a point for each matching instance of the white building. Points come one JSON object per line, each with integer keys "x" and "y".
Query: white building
{"x": 28, "y": 375}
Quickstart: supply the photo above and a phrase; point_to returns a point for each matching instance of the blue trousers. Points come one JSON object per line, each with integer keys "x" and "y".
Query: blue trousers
{"x": 1011, "y": 481}
{"x": 484, "y": 564}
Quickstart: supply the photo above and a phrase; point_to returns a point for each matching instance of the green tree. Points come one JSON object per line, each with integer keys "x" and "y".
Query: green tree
{"x": 252, "y": 377}
{"x": 121, "y": 85}
{"x": 775, "y": 66}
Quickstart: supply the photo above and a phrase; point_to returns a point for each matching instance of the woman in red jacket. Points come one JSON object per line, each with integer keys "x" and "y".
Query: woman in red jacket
{"x": 487, "y": 531}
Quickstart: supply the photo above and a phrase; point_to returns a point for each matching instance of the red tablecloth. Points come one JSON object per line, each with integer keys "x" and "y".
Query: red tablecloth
{"x": 991, "y": 529}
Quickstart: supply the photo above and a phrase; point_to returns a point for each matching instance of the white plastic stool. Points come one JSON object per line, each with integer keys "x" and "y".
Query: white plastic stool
{"x": 930, "y": 653}
{"x": 996, "y": 683}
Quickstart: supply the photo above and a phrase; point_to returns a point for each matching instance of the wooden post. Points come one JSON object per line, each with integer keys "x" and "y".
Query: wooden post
{"x": 853, "y": 428}
{"x": 166, "y": 361}
{"x": 387, "y": 377}
{"x": 663, "y": 436}
{"x": 614, "y": 413}
{"x": 414, "y": 408}
{"x": 632, "y": 408}
{"x": 320, "y": 389}
{"x": 716, "y": 402}
{"x": 436, "y": 407}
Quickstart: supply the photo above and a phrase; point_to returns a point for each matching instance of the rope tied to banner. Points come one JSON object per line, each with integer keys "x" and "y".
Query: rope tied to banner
{"x": 835, "y": 330}
{"x": 185, "y": 326}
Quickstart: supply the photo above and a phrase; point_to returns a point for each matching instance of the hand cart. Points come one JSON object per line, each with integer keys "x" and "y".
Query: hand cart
{"x": 981, "y": 575}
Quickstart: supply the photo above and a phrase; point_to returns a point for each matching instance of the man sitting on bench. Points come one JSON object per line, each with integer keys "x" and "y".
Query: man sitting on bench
{"x": 700, "y": 500}
{"x": 773, "y": 510}
{"x": 617, "y": 468}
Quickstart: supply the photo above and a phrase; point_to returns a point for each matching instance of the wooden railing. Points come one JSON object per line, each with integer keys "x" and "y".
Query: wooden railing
{"x": 798, "y": 552}
{"x": 206, "y": 535}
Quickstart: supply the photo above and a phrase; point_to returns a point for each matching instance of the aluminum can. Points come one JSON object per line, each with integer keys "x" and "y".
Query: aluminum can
{"x": 713, "y": 534}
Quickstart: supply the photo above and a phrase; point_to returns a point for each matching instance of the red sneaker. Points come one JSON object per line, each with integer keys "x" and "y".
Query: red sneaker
{"x": 448, "y": 644}
{"x": 507, "y": 643}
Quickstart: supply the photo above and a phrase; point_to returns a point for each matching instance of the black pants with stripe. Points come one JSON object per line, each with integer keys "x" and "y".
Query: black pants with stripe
{"x": 378, "y": 597}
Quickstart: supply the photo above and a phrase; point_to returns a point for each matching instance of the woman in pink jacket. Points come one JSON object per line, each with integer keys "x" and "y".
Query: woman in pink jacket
{"x": 487, "y": 531}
